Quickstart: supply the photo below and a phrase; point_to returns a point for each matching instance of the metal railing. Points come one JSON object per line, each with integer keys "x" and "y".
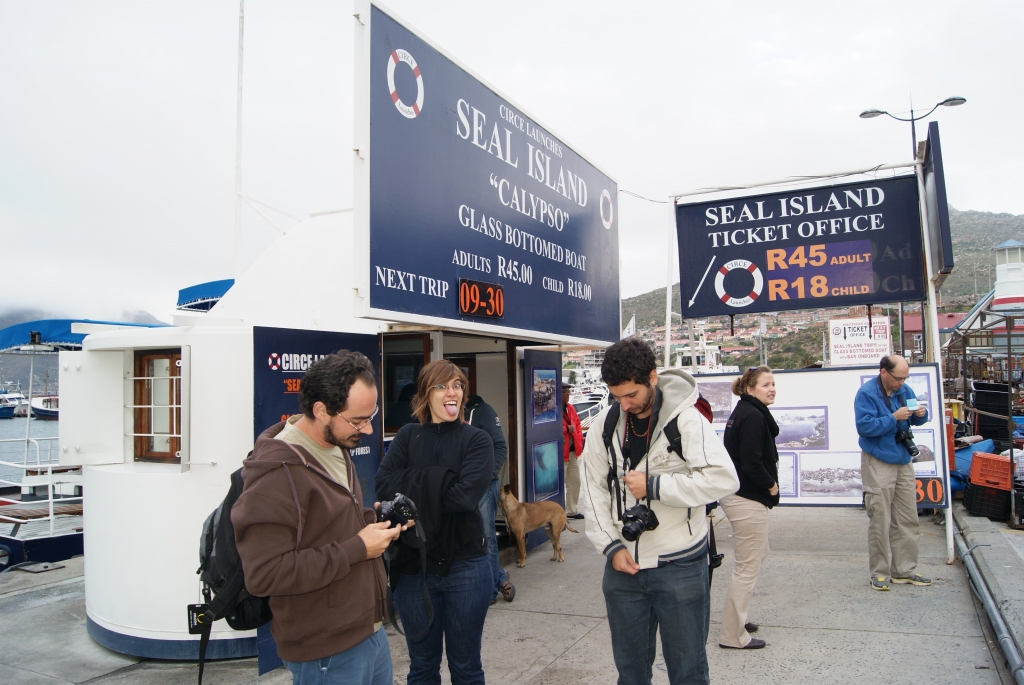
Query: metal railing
{"x": 39, "y": 455}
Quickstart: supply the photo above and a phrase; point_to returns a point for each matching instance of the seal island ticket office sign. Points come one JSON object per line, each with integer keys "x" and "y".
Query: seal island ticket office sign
{"x": 831, "y": 246}
{"x": 469, "y": 214}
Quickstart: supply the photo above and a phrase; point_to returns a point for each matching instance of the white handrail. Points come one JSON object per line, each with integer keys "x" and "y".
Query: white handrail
{"x": 48, "y": 465}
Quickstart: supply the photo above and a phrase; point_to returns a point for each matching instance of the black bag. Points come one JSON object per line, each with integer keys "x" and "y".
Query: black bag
{"x": 220, "y": 570}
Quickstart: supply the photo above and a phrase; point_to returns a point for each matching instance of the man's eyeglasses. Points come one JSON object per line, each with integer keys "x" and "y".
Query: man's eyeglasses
{"x": 362, "y": 424}
{"x": 441, "y": 387}
{"x": 899, "y": 379}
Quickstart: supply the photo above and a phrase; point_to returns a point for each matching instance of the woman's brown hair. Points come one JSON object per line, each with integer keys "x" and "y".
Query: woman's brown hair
{"x": 748, "y": 379}
{"x": 437, "y": 372}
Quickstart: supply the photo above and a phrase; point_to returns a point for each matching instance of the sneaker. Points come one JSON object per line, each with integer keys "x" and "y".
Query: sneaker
{"x": 508, "y": 591}
{"x": 913, "y": 579}
{"x": 879, "y": 583}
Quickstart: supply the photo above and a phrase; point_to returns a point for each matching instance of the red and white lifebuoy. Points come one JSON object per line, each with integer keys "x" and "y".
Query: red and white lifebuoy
{"x": 274, "y": 361}
{"x": 393, "y": 59}
{"x": 606, "y": 196}
{"x": 747, "y": 298}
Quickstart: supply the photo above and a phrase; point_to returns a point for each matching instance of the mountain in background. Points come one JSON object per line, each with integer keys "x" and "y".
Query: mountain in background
{"x": 974, "y": 235}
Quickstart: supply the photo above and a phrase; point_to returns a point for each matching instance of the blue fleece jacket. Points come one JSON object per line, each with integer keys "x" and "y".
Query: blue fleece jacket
{"x": 877, "y": 427}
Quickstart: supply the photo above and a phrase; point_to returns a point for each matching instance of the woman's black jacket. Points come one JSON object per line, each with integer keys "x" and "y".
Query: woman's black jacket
{"x": 750, "y": 441}
{"x": 445, "y": 468}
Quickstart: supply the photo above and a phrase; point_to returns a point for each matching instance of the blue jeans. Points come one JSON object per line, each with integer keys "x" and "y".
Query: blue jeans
{"x": 488, "y": 506}
{"x": 676, "y": 596}
{"x": 460, "y": 602}
{"x": 368, "y": 663}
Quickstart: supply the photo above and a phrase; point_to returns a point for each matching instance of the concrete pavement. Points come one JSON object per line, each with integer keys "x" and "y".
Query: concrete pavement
{"x": 822, "y": 622}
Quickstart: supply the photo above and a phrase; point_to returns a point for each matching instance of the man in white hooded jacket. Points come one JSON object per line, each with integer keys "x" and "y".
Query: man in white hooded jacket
{"x": 660, "y": 577}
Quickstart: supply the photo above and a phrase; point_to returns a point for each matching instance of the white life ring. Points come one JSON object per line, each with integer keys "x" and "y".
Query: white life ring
{"x": 274, "y": 361}
{"x": 747, "y": 298}
{"x": 605, "y": 195}
{"x": 393, "y": 59}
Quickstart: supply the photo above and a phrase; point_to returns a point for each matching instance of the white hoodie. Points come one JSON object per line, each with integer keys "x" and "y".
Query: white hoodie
{"x": 678, "y": 488}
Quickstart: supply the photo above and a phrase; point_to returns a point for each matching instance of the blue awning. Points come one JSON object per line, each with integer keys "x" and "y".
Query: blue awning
{"x": 56, "y": 332}
{"x": 203, "y": 296}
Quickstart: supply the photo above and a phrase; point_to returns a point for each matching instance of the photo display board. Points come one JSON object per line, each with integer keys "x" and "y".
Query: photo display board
{"x": 832, "y": 246}
{"x": 819, "y": 456}
{"x": 478, "y": 218}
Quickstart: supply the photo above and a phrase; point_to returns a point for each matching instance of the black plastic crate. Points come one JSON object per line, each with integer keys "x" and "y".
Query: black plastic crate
{"x": 990, "y": 502}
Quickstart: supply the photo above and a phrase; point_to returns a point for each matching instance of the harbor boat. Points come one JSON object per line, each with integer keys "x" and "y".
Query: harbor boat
{"x": 11, "y": 392}
{"x": 589, "y": 401}
{"x": 7, "y": 407}
{"x": 46, "y": 408}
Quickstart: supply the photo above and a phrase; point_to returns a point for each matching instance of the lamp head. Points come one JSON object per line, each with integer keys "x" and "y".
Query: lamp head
{"x": 954, "y": 101}
{"x": 871, "y": 113}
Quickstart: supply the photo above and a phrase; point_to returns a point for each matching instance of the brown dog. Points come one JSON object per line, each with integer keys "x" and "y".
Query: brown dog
{"x": 524, "y": 517}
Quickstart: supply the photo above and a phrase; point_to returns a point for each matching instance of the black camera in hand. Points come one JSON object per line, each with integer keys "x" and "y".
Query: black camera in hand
{"x": 636, "y": 520}
{"x": 398, "y": 511}
{"x": 906, "y": 438}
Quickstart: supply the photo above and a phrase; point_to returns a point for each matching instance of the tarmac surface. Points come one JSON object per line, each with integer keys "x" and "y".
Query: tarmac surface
{"x": 822, "y": 621}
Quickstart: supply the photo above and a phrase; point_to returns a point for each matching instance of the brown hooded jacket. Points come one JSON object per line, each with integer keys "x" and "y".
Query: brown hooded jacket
{"x": 324, "y": 593}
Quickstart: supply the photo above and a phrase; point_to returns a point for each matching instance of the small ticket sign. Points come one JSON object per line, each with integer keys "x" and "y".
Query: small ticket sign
{"x": 856, "y": 342}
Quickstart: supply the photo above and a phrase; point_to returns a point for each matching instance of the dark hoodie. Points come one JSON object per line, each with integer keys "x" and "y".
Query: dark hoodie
{"x": 325, "y": 594}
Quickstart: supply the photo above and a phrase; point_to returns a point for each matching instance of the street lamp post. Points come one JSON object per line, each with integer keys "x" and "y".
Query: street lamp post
{"x": 932, "y": 311}
{"x": 948, "y": 102}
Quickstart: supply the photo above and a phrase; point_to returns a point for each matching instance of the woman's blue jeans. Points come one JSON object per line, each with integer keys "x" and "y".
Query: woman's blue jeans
{"x": 460, "y": 602}
{"x": 674, "y": 597}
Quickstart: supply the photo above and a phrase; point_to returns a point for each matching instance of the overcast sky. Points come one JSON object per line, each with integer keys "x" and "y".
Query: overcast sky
{"x": 117, "y": 119}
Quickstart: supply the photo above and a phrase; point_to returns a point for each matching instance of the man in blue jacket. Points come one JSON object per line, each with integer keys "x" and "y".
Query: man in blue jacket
{"x": 888, "y": 474}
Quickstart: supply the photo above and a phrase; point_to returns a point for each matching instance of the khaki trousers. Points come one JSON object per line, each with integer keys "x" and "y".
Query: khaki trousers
{"x": 890, "y": 496}
{"x": 572, "y": 485}
{"x": 749, "y": 521}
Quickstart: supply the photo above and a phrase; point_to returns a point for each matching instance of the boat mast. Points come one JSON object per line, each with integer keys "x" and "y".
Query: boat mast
{"x": 238, "y": 147}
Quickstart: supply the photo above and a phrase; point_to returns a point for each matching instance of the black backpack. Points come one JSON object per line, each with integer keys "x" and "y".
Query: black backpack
{"x": 220, "y": 570}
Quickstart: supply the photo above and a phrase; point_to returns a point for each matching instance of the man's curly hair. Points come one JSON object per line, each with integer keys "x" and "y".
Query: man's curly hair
{"x": 329, "y": 379}
{"x": 628, "y": 360}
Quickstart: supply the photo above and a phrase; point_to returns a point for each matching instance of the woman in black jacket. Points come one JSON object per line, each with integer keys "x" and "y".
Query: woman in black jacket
{"x": 750, "y": 440}
{"x": 444, "y": 466}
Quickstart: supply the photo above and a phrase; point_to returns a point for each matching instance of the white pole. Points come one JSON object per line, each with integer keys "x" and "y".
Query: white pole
{"x": 28, "y": 414}
{"x": 935, "y": 354}
{"x": 238, "y": 147}
{"x": 668, "y": 290}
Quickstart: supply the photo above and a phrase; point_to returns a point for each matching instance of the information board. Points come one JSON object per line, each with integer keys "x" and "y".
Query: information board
{"x": 833, "y": 246}
{"x": 281, "y": 357}
{"x": 855, "y": 342}
{"x": 819, "y": 456}
{"x": 462, "y": 185}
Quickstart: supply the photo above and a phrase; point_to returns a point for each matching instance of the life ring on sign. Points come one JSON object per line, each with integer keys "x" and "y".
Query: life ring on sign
{"x": 747, "y": 298}
{"x": 605, "y": 195}
{"x": 394, "y": 58}
{"x": 274, "y": 361}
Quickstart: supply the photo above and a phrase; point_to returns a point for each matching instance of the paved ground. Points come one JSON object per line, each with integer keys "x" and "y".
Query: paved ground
{"x": 822, "y": 622}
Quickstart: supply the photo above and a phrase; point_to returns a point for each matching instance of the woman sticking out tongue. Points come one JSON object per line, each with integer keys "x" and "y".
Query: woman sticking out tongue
{"x": 446, "y": 401}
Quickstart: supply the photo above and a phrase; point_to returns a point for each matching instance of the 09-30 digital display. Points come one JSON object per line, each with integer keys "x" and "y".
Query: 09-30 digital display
{"x": 477, "y": 298}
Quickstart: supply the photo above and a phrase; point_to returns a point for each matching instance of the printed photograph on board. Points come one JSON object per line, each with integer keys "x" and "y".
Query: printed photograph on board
{"x": 545, "y": 470}
{"x": 719, "y": 396}
{"x": 801, "y": 428}
{"x": 545, "y": 402}
{"x": 924, "y": 462}
{"x": 787, "y": 474}
{"x": 833, "y": 474}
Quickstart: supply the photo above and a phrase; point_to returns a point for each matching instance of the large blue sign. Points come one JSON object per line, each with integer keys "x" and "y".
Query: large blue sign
{"x": 836, "y": 246}
{"x": 464, "y": 186}
{"x": 280, "y": 359}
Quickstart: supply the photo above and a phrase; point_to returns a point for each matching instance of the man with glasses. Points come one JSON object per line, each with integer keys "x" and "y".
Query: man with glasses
{"x": 306, "y": 538}
{"x": 890, "y": 496}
